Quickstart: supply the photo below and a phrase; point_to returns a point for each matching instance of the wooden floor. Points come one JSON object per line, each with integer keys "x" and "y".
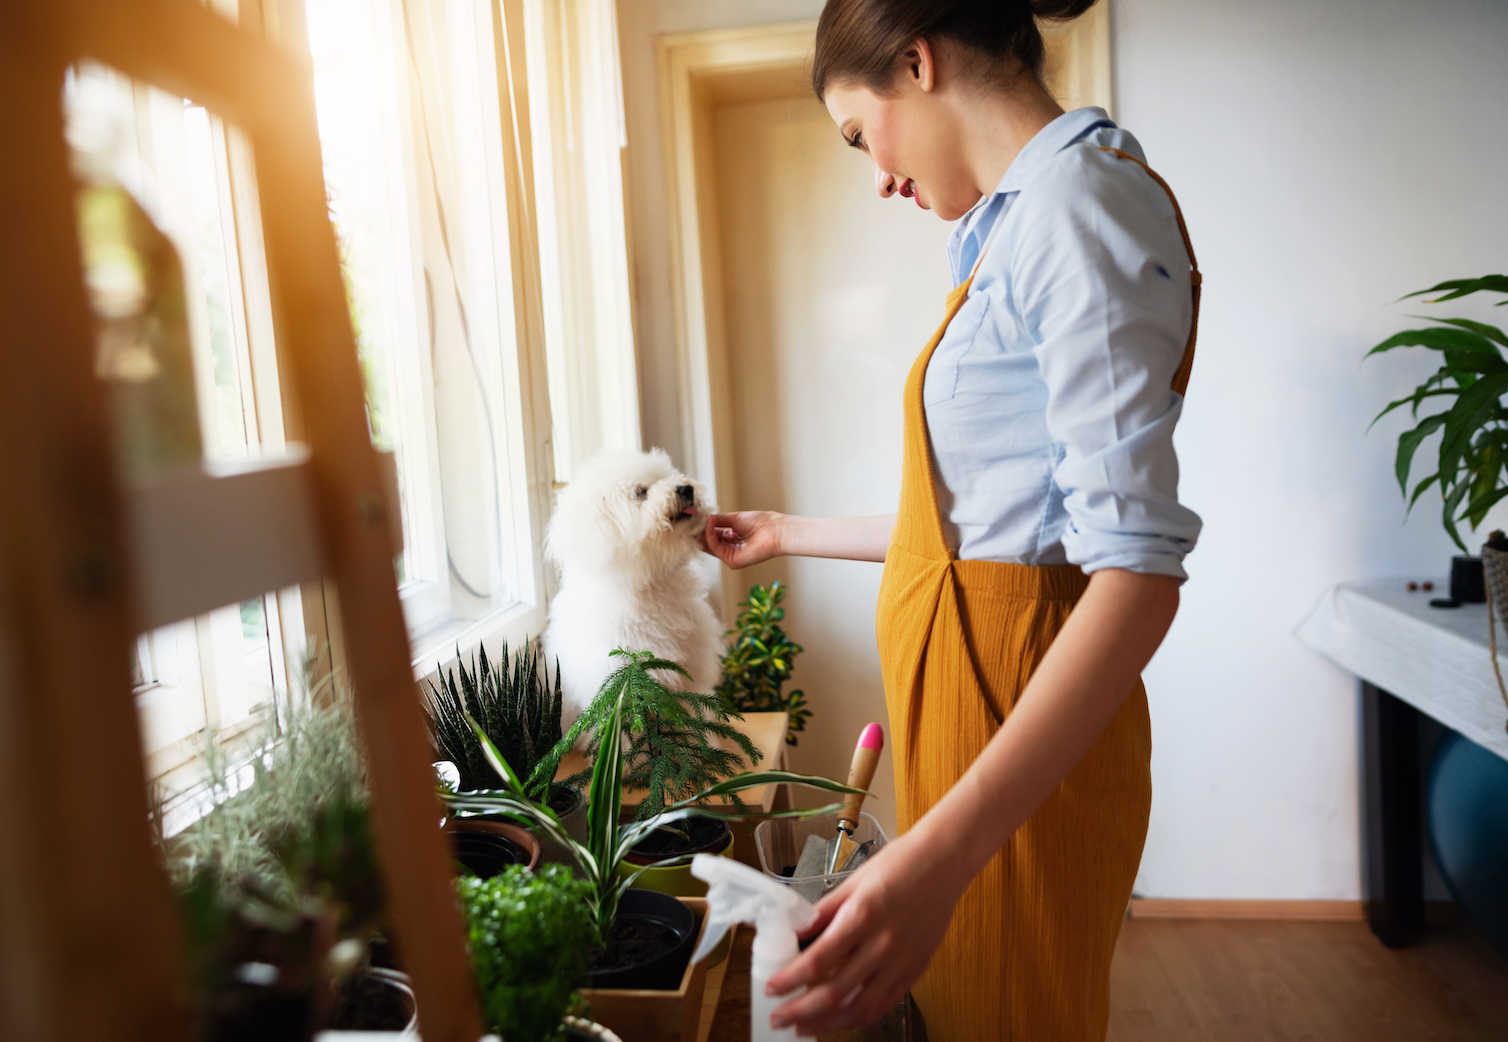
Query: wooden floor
{"x": 1235, "y": 981}
{"x": 1256, "y": 981}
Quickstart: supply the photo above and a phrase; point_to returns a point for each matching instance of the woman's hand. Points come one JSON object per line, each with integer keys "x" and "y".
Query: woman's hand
{"x": 751, "y": 536}
{"x": 745, "y": 538}
{"x": 880, "y": 930}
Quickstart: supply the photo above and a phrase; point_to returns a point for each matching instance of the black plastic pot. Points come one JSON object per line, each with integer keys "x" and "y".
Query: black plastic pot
{"x": 1467, "y": 582}
{"x": 708, "y": 836}
{"x": 662, "y": 971}
{"x": 486, "y": 855}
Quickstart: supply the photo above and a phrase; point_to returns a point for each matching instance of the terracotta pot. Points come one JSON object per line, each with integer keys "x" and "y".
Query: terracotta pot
{"x": 519, "y": 836}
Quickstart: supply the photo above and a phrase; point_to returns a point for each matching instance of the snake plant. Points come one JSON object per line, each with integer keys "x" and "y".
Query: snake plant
{"x": 1473, "y": 428}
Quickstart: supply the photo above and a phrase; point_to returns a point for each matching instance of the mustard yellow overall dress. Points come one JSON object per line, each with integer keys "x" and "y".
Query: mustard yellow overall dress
{"x": 1027, "y": 955}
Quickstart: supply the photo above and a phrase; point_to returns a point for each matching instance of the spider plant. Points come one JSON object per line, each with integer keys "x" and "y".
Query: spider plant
{"x": 608, "y": 841}
{"x": 1474, "y": 428}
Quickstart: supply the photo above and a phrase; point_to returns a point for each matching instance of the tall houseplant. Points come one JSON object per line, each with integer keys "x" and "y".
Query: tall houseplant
{"x": 1473, "y": 428}
{"x": 760, "y": 659}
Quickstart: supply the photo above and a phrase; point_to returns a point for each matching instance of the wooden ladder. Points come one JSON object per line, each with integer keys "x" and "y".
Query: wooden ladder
{"x": 88, "y": 937}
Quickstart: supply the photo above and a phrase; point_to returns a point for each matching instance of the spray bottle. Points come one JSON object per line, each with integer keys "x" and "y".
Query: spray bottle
{"x": 738, "y": 894}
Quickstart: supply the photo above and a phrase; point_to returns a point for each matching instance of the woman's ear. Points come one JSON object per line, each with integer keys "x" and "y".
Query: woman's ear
{"x": 921, "y": 64}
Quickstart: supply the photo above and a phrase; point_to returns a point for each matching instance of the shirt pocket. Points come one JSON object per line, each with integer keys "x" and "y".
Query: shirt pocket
{"x": 941, "y": 383}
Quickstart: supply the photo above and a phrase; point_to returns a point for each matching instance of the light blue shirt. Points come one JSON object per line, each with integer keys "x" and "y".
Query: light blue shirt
{"x": 1048, "y": 399}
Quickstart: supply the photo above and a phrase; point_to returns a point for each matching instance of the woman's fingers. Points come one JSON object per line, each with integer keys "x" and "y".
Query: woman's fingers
{"x": 865, "y": 1005}
{"x": 823, "y": 954}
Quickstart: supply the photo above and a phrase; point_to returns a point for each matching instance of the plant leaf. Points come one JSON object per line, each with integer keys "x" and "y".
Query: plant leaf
{"x": 1436, "y": 339}
{"x": 1462, "y": 287}
{"x": 1408, "y": 444}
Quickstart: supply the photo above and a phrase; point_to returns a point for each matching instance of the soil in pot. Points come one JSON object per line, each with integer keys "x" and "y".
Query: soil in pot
{"x": 486, "y": 855}
{"x": 704, "y": 835}
{"x": 366, "y": 1002}
{"x": 650, "y": 946}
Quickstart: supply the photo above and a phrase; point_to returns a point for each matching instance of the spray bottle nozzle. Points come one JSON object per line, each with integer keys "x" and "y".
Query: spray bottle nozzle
{"x": 737, "y": 893}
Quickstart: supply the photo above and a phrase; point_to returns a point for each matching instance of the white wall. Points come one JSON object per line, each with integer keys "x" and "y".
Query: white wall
{"x": 1329, "y": 157}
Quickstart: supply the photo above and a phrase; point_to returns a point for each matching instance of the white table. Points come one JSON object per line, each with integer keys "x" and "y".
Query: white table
{"x": 1435, "y": 659}
{"x": 1411, "y": 659}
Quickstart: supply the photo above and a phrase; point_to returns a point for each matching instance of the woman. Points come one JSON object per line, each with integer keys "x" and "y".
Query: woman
{"x": 1039, "y": 479}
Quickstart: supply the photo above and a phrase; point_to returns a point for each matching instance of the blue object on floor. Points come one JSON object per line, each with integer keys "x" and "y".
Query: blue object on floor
{"x": 1468, "y": 828}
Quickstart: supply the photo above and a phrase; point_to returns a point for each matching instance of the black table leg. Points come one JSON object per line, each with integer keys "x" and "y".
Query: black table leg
{"x": 1394, "y": 840}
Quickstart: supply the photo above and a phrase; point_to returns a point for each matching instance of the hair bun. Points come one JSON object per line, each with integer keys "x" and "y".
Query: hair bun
{"x": 1060, "y": 10}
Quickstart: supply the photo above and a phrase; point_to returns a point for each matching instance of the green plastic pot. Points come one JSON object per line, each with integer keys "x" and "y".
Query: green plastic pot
{"x": 675, "y": 880}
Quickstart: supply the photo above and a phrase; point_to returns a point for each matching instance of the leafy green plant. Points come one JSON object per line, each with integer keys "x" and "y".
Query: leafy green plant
{"x": 671, "y": 734}
{"x": 1474, "y": 428}
{"x": 608, "y": 841}
{"x": 760, "y": 659}
{"x": 531, "y": 935}
{"x": 516, "y": 707}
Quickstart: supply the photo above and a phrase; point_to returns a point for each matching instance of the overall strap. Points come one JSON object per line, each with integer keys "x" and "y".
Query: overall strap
{"x": 1196, "y": 280}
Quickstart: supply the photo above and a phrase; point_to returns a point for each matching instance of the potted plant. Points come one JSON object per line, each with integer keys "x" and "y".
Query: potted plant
{"x": 616, "y": 913}
{"x": 519, "y": 710}
{"x": 760, "y": 660}
{"x": 278, "y": 886}
{"x": 671, "y": 754}
{"x": 1473, "y": 428}
{"x": 530, "y": 936}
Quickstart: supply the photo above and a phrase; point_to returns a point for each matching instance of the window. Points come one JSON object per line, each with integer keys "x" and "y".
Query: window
{"x": 417, "y": 179}
{"x": 429, "y": 198}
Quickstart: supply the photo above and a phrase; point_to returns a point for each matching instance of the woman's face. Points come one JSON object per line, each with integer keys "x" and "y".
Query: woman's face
{"x": 910, "y": 135}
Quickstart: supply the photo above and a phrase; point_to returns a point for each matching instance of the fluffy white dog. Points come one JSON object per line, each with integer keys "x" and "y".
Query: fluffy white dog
{"x": 624, "y": 535}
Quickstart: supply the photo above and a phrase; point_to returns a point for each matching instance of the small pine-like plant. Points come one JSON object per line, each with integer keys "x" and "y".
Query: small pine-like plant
{"x": 531, "y": 935}
{"x": 671, "y": 735}
{"x": 515, "y": 705}
{"x": 760, "y": 660}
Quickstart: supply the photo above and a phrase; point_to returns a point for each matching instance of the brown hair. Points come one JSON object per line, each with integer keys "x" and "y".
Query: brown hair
{"x": 859, "y": 41}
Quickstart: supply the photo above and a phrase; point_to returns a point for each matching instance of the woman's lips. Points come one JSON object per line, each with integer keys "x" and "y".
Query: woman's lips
{"x": 908, "y": 189}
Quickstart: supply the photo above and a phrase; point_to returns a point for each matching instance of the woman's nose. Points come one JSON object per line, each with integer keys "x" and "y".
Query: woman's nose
{"x": 884, "y": 183}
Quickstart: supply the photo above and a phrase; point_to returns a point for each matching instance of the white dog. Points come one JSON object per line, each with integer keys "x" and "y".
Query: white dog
{"x": 624, "y": 535}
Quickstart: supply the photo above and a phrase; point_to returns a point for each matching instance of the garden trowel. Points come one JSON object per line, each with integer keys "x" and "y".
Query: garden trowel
{"x": 841, "y": 853}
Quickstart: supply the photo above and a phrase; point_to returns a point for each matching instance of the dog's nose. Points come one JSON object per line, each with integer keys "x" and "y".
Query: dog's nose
{"x": 686, "y": 493}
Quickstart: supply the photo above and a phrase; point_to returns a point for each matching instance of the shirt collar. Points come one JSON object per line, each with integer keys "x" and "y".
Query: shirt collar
{"x": 975, "y": 226}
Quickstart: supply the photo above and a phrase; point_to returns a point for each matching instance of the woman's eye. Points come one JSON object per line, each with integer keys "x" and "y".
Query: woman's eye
{"x": 641, "y": 491}
{"x": 857, "y": 141}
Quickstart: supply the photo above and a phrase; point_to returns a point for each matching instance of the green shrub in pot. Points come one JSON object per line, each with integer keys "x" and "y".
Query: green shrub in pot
{"x": 1473, "y": 428}
{"x": 760, "y": 659}
{"x": 530, "y": 935}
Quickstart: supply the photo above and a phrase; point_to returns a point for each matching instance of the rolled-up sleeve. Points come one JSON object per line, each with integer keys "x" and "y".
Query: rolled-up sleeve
{"x": 1101, "y": 282}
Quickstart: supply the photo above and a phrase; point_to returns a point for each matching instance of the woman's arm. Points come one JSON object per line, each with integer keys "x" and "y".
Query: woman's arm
{"x": 752, "y": 536}
{"x": 883, "y": 926}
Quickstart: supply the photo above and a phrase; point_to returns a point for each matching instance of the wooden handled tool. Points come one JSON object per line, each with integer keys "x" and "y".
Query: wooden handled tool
{"x": 866, "y": 756}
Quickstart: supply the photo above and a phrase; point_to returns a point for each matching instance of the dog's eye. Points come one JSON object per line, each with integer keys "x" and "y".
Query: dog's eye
{"x": 641, "y": 491}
